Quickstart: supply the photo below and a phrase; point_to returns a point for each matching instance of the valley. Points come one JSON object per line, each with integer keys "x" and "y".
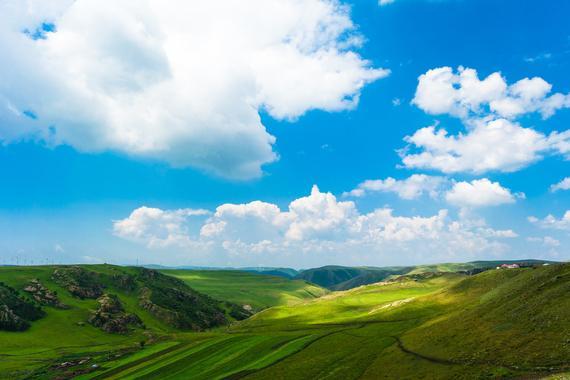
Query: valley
{"x": 448, "y": 324}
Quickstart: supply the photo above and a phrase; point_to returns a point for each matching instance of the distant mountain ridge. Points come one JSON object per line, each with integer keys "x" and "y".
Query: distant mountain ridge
{"x": 335, "y": 277}
{"x": 339, "y": 277}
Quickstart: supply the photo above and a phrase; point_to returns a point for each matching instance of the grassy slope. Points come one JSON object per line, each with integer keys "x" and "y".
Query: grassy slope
{"x": 500, "y": 323}
{"x": 259, "y": 291}
{"x": 337, "y": 336}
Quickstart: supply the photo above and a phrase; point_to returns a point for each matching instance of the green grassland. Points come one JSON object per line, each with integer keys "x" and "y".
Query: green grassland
{"x": 246, "y": 288}
{"x": 509, "y": 323}
{"x": 62, "y": 335}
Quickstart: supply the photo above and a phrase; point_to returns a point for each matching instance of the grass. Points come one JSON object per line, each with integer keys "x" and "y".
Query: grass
{"x": 336, "y": 336}
{"x": 246, "y": 288}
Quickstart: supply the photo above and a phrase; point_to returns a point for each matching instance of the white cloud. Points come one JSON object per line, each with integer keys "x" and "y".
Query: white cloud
{"x": 480, "y": 193}
{"x": 463, "y": 94}
{"x": 176, "y": 81}
{"x": 410, "y": 188}
{"x": 546, "y": 240}
{"x": 493, "y": 140}
{"x": 385, "y": 2}
{"x": 92, "y": 260}
{"x": 317, "y": 223}
{"x": 539, "y": 57}
{"x": 157, "y": 228}
{"x": 496, "y": 145}
{"x": 562, "y": 185}
{"x": 551, "y": 222}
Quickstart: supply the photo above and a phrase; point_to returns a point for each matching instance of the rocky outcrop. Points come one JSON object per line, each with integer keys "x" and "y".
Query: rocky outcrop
{"x": 43, "y": 295}
{"x": 176, "y": 304}
{"x": 125, "y": 282}
{"x": 16, "y": 312}
{"x": 9, "y": 321}
{"x": 80, "y": 282}
{"x": 111, "y": 316}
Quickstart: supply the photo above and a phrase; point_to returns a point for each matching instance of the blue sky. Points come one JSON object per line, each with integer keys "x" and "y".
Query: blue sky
{"x": 74, "y": 178}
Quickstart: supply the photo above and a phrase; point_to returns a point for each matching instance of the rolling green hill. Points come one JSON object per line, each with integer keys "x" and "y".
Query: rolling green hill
{"x": 342, "y": 278}
{"x": 245, "y": 288}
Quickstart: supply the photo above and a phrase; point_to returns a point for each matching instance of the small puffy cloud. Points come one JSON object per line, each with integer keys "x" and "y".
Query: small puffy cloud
{"x": 177, "y": 81}
{"x": 491, "y": 233}
{"x": 546, "y": 241}
{"x": 385, "y": 2}
{"x": 157, "y": 228}
{"x": 314, "y": 224}
{"x": 538, "y": 58}
{"x": 410, "y": 188}
{"x": 463, "y": 94}
{"x": 562, "y": 185}
{"x": 551, "y": 222}
{"x": 496, "y": 145}
{"x": 480, "y": 193}
{"x": 92, "y": 260}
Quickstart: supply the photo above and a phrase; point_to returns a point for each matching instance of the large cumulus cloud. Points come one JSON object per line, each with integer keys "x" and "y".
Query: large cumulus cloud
{"x": 183, "y": 82}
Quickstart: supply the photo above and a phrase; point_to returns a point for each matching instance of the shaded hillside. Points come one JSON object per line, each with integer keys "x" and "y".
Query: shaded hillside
{"x": 16, "y": 312}
{"x": 341, "y": 278}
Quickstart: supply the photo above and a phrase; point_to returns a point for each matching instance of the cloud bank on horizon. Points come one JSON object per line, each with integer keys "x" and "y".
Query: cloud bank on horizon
{"x": 315, "y": 224}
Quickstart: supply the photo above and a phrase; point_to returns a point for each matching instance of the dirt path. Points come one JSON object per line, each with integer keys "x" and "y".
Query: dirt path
{"x": 556, "y": 368}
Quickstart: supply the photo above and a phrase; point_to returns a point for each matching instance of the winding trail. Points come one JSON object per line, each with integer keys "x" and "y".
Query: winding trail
{"x": 551, "y": 369}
